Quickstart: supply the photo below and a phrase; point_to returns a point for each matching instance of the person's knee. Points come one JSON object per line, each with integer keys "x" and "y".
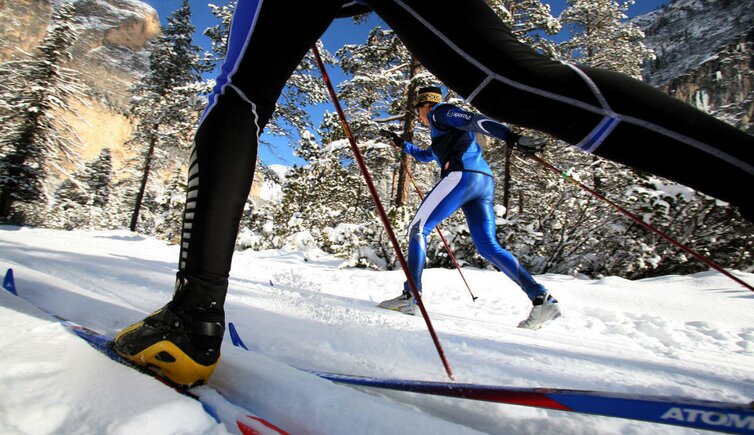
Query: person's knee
{"x": 416, "y": 231}
{"x": 488, "y": 249}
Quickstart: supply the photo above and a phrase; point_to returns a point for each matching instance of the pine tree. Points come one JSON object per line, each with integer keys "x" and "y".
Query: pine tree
{"x": 530, "y": 21}
{"x": 320, "y": 195}
{"x": 99, "y": 175}
{"x": 171, "y": 203}
{"x": 258, "y": 225}
{"x": 82, "y": 199}
{"x": 304, "y": 89}
{"x": 90, "y": 186}
{"x": 32, "y": 134}
{"x": 603, "y": 38}
{"x": 166, "y": 102}
{"x": 218, "y": 34}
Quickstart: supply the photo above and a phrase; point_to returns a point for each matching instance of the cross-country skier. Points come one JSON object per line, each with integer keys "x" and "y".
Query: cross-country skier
{"x": 467, "y": 47}
{"x": 467, "y": 183}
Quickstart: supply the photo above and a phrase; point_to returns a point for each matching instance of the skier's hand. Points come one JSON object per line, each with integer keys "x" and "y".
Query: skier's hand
{"x": 527, "y": 145}
{"x": 392, "y": 137}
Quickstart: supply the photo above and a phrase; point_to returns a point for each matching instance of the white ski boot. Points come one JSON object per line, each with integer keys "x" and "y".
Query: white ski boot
{"x": 404, "y": 303}
{"x": 546, "y": 309}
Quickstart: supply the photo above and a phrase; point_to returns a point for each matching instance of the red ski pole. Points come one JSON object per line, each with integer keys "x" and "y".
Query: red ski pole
{"x": 641, "y": 222}
{"x": 381, "y": 210}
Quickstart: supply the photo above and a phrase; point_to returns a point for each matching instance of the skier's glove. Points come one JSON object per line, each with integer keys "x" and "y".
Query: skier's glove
{"x": 525, "y": 144}
{"x": 392, "y": 137}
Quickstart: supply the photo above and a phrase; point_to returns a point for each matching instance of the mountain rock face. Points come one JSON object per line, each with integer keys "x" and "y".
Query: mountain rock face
{"x": 111, "y": 53}
{"x": 705, "y": 56}
{"x": 112, "y": 47}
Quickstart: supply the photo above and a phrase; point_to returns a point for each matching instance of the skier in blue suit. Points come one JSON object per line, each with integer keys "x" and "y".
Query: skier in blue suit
{"x": 467, "y": 183}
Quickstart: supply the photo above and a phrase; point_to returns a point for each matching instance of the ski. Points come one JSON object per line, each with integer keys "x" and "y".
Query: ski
{"x": 699, "y": 414}
{"x": 717, "y": 416}
{"x": 235, "y": 419}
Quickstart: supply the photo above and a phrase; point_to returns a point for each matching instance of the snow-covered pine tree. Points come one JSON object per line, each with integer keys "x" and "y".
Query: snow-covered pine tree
{"x": 603, "y": 38}
{"x": 320, "y": 195}
{"x": 33, "y": 135}
{"x": 166, "y": 102}
{"x": 82, "y": 200}
{"x": 91, "y": 185}
{"x": 171, "y": 203}
{"x": 218, "y": 34}
{"x": 99, "y": 175}
{"x": 303, "y": 90}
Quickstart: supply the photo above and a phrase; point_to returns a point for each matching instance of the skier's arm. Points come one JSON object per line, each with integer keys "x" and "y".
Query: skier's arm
{"x": 447, "y": 116}
{"x": 418, "y": 153}
{"x": 407, "y": 147}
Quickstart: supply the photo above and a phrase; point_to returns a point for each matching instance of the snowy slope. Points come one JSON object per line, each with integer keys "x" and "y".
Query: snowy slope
{"x": 691, "y": 336}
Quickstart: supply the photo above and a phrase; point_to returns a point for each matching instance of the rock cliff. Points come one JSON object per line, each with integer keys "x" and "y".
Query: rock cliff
{"x": 705, "y": 55}
{"x": 112, "y": 51}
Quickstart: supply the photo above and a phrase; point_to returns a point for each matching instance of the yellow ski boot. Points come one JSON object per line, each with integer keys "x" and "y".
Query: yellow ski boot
{"x": 183, "y": 338}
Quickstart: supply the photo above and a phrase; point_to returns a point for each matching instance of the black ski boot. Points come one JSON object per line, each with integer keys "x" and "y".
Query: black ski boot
{"x": 182, "y": 338}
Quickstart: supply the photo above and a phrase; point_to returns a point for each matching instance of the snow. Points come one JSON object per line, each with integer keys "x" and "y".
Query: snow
{"x": 688, "y": 336}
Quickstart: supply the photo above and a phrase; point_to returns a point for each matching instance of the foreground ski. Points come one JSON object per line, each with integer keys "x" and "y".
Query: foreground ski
{"x": 698, "y": 414}
{"x": 236, "y": 419}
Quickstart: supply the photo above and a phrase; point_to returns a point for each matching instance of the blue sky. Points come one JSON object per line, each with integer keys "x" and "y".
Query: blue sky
{"x": 340, "y": 32}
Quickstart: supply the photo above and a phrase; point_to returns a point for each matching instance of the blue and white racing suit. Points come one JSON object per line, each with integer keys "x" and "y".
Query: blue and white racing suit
{"x": 467, "y": 183}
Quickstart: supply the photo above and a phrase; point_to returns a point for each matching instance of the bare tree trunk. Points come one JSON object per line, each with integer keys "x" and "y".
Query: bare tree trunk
{"x": 143, "y": 186}
{"x": 507, "y": 180}
{"x": 6, "y": 197}
{"x": 409, "y": 121}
